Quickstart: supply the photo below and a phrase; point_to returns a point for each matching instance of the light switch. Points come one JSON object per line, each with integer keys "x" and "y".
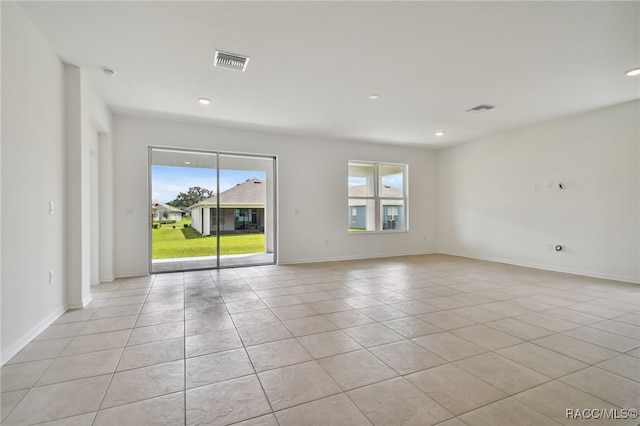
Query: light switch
{"x": 51, "y": 207}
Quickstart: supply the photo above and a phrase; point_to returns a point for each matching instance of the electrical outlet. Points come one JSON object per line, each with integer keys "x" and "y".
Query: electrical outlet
{"x": 50, "y": 277}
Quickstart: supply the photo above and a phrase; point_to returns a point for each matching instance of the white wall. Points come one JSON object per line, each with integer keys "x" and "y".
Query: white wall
{"x": 32, "y": 175}
{"x": 312, "y": 179}
{"x": 489, "y": 207}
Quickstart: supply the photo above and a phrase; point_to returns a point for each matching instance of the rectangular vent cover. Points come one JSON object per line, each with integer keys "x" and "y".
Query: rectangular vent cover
{"x": 230, "y": 61}
{"x": 481, "y": 108}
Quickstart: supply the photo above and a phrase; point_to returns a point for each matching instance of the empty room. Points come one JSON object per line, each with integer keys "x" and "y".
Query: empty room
{"x": 320, "y": 213}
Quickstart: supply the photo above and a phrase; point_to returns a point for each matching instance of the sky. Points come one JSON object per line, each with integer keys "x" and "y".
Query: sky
{"x": 168, "y": 182}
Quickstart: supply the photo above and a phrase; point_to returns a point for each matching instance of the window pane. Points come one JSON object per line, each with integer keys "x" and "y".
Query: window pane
{"x": 361, "y": 181}
{"x": 391, "y": 180}
{"x": 392, "y": 214}
{"x": 362, "y": 215}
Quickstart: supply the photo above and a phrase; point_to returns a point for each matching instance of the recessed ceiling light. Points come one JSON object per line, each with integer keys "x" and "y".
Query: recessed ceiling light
{"x": 373, "y": 96}
{"x": 187, "y": 162}
{"x": 204, "y": 101}
{"x": 109, "y": 72}
{"x": 633, "y": 72}
{"x": 440, "y": 133}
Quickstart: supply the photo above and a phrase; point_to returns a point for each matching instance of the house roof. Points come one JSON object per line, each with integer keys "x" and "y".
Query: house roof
{"x": 164, "y": 207}
{"x": 386, "y": 191}
{"x": 251, "y": 192}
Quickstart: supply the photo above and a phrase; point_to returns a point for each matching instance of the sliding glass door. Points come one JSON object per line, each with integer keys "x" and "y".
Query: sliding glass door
{"x": 211, "y": 209}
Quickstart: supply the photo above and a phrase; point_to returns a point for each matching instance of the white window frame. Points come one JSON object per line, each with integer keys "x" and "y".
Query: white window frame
{"x": 377, "y": 198}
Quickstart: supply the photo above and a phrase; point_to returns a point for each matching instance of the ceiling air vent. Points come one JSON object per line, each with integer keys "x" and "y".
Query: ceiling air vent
{"x": 481, "y": 108}
{"x": 230, "y": 61}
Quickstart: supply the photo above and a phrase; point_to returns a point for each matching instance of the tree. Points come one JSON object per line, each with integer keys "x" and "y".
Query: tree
{"x": 194, "y": 195}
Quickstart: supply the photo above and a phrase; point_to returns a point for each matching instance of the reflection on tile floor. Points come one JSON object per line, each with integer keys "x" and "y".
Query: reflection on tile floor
{"x": 416, "y": 340}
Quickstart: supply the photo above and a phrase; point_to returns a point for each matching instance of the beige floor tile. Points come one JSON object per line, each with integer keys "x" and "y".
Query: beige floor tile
{"x": 486, "y": 337}
{"x": 413, "y": 307}
{"x": 217, "y": 367}
{"x": 293, "y": 311}
{"x": 156, "y": 333}
{"x": 633, "y": 319}
{"x": 603, "y": 338}
{"x": 444, "y": 302}
{"x": 507, "y": 412}
{"x": 269, "y": 356}
{"x": 266, "y": 420}
{"x": 264, "y": 333}
{"x": 37, "y": 351}
{"x": 502, "y": 373}
{"x": 75, "y": 315}
{"x": 549, "y": 322}
{"x": 162, "y": 317}
{"x": 97, "y": 342}
{"x": 406, "y": 357}
{"x": 449, "y": 346}
{"x": 542, "y": 360}
{"x": 329, "y": 306}
{"x": 209, "y": 324}
{"x": 452, "y": 422}
{"x": 621, "y": 328}
{"x": 202, "y": 344}
{"x": 79, "y": 420}
{"x": 573, "y": 316}
{"x": 355, "y": 369}
{"x": 284, "y": 300}
{"x": 22, "y": 376}
{"x": 163, "y": 410}
{"x": 618, "y": 390}
{"x": 297, "y": 384}
{"x": 308, "y": 325}
{"x": 226, "y": 402}
{"x": 411, "y": 327}
{"x": 477, "y": 314}
{"x": 120, "y": 301}
{"x": 575, "y": 348}
{"x": 80, "y": 366}
{"x": 623, "y": 365}
{"x": 9, "y": 400}
{"x": 328, "y": 343}
{"x": 108, "y": 324}
{"x": 152, "y": 353}
{"x": 58, "y": 331}
{"x": 446, "y": 320}
{"x": 519, "y": 329}
{"x": 397, "y": 402}
{"x": 383, "y": 313}
{"x": 351, "y": 318}
{"x": 116, "y": 311}
{"x": 247, "y": 319}
{"x": 455, "y": 389}
{"x": 334, "y": 410}
{"x": 372, "y": 335}
{"x": 554, "y": 398}
{"x": 143, "y": 383}
{"x": 360, "y": 302}
{"x": 595, "y": 309}
{"x": 60, "y": 400}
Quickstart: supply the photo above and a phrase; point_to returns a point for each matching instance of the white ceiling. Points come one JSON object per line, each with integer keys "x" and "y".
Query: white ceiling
{"x": 314, "y": 64}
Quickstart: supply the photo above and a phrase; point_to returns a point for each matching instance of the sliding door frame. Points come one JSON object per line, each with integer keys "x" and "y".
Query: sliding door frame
{"x": 217, "y": 154}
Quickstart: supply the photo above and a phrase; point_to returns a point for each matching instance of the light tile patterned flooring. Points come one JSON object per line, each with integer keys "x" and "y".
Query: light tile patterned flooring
{"x": 414, "y": 340}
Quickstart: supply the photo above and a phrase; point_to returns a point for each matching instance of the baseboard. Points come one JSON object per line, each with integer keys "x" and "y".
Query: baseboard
{"x": 131, "y": 274}
{"x": 27, "y": 337}
{"x": 591, "y": 274}
{"x": 108, "y": 279}
{"x": 344, "y": 258}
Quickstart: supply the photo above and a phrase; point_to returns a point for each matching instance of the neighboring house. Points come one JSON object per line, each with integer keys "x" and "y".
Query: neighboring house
{"x": 159, "y": 209}
{"x": 392, "y": 209}
{"x": 241, "y": 209}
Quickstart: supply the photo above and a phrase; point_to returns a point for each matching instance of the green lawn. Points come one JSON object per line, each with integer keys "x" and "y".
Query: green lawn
{"x": 170, "y": 243}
